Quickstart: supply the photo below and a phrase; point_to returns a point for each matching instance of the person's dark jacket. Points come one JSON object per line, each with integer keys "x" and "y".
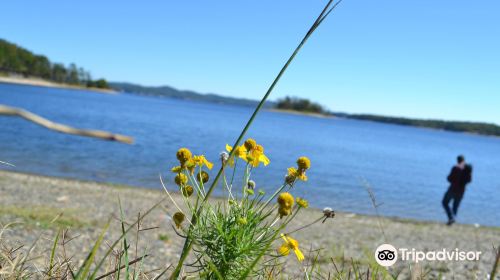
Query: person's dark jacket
{"x": 459, "y": 177}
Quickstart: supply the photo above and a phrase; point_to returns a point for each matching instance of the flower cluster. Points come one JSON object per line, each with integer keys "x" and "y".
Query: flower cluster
{"x": 235, "y": 230}
{"x": 303, "y": 163}
{"x": 250, "y": 152}
{"x": 189, "y": 162}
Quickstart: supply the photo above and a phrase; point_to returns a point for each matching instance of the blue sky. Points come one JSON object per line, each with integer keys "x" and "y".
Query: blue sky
{"x": 426, "y": 59}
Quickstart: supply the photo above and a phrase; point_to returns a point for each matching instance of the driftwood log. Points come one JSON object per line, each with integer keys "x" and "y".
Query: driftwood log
{"x": 17, "y": 112}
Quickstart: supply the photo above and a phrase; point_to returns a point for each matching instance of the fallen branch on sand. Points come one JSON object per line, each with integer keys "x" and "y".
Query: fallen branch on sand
{"x": 12, "y": 111}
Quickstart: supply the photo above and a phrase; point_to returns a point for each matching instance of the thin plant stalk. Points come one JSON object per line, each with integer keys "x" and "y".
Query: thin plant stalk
{"x": 188, "y": 242}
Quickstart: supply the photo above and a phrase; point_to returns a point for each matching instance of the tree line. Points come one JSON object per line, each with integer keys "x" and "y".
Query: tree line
{"x": 305, "y": 105}
{"x": 299, "y": 104}
{"x": 457, "y": 126}
{"x": 17, "y": 60}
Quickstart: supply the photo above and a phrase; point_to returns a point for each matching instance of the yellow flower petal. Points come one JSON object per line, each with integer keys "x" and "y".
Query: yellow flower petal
{"x": 201, "y": 160}
{"x": 239, "y": 152}
{"x": 209, "y": 164}
{"x": 264, "y": 160}
{"x": 176, "y": 169}
{"x": 284, "y": 250}
{"x": 302, "y": 176}
{"x": 290, "y": 244}
{"x": 299, "y": 254}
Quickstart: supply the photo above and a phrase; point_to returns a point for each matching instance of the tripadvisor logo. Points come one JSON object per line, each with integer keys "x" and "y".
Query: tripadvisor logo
{"x": 387, "y": 255}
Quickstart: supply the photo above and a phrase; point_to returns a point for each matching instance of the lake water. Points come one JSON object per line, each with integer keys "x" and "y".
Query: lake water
{"x": 406, "y": 167}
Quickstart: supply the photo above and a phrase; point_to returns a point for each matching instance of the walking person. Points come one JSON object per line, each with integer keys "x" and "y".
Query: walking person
{"x": 460, "y": 175}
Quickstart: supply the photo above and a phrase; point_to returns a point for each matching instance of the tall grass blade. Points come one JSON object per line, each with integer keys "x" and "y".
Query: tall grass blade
{"x": 85, "y": 268}
{"x": 125, "y": 245}
{"x": 52, "y": 254}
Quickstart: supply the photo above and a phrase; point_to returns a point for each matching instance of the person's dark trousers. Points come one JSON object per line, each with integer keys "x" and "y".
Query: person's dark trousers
{"x": 456, "y": 197}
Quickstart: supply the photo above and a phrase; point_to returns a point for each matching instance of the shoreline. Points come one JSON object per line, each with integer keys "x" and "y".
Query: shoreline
{"x": 215, "y": 197}
{"x": 85, "y": 207}
{"x": 293, "y": 112}
{"x": 44, "y": 83}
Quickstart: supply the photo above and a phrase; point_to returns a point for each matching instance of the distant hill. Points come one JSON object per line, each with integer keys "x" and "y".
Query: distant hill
{"x": 170, "y": 92}
{"x": 458, "y": 126}
{"x": 304, "y": 105}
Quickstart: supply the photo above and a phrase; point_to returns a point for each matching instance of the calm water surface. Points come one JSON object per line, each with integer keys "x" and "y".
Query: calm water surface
{"x": 405, "y": 166}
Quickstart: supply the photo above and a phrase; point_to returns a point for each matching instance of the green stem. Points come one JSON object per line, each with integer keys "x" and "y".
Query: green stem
{"x": 188, "y": 243}
{"x": 308, "y": 225}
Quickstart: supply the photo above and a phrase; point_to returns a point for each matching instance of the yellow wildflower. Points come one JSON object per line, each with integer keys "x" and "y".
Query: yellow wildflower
{"x": 183, "y": 155}
{"x": 294, "y": 174}
{"x": 176, "y": 169}
{"x": 181, "y": 179}
{"x": 240, "y": 152}
{"x": 250, "y": 144}
{"x": 257, "y": 156}
{"x": 292, "y": 171}
{"x": 201, "y": 160}
{"x": 290, "y": 244}
{"x": 178, "y": 219}
{"x": 251, "y": 152}
{"x": 303, "y": 163}
{"x": 285, "y": 200}
{"x": 190, "y": 165}
{"x": 291, "y": 175}
{"x": 187, "y": 191}
{"x": 302, "y": 175}
{"x": 302, "y": 202}
{"x": 203, "y": 176}
{"x": 284, "y": 211}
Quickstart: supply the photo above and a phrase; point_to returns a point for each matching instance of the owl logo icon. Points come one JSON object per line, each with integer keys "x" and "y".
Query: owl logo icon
{"x": 386, "y": 255}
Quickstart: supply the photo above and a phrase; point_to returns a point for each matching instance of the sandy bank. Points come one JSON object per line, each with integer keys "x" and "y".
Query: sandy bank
{"x": 86, "y": 206}
{"x": 44, "y": 83}
{"x": 316, "y": 115}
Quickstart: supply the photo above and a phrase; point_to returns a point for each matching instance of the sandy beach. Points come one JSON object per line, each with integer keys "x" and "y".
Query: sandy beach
{"x": 32, "y": 202}
{"x": 44, "y": 83}
{"x": 293, "y": 112}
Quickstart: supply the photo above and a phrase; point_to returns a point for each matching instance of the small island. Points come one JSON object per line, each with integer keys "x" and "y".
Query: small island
{"x": 300, "y": 106}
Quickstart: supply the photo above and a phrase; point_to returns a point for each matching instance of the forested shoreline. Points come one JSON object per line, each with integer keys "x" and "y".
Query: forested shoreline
{"x": 457, "y": 126}
{"x": 304, "y": 105}
{"x": 16, "y": 60}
